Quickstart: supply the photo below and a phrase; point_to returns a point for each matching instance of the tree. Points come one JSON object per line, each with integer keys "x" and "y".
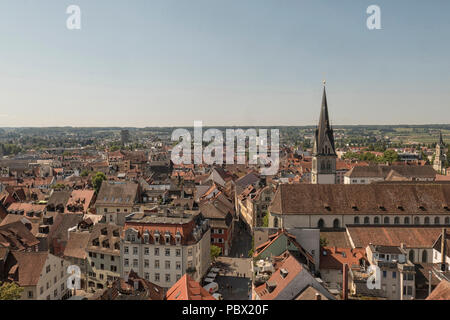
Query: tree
{"x": 323, "y": 242}
{"x": 10, "y": 291}
{"x": 84, "y": 173}
{"x": 215, "y": 252}
{"x": 58, "y": 186}
{"x": 266, "y": 220}
{"x": 390, "y": 156}
{"x": 97, "y": 180}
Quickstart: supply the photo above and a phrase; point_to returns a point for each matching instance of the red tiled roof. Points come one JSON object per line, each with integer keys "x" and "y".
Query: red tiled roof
{"x": 335, "y": 258}
{"x": 188, "y": 289}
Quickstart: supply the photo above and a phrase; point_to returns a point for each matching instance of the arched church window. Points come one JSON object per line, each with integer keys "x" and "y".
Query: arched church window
{"x": 424, "y": 256}
{"x": 320, "y": 224}
{"x": 411, "y": 256}
{"x": 336, "y": 223}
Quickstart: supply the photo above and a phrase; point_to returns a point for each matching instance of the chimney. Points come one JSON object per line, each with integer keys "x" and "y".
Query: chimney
{"x": 443, "y": 249}
{"x": 345, "y": 282}
{"x": 318, "y": 296}
{"x": 402, "y": 245}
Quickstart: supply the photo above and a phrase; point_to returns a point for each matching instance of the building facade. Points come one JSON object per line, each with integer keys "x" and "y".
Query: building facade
{"x": 161, "y": 248}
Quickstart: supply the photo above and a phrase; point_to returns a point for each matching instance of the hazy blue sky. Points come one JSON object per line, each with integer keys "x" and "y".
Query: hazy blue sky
{"x": 233, "y": 62}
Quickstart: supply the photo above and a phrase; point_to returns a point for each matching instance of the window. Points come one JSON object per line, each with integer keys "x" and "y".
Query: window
{"x": 101, "y": 276}
{"x": 112, "y": 258}
{"x": 409, "y": 291}
{"x": 113, "y": 268}
{"x": 406, "y": 220}
{"x": 436, "y": 220}
{"x": 102, "y": 266}
{"x": 366, "y": 220}
{"x": 146, "y": 263}
{"x": 396, "y": 220}
{"x": 126, "y": 263}
{"x": 384, "y": 274}
{"x": 386, "y": 220}
{"x": 55, "y": 279}
{"x": 356, "y": 220}
{"x": 336, "y": 223}
{"x": 157, "y": 277}
{"x": 394, "y": 275}
{"x": 135, "y": 250}
{"x": 156, "y": 264}
{"x": 167, "y": 277}
{"x": 178, "y": 252}
{"x": 321, "y": 224}
{"x": 416, "y": 220}
{"x": 411, "y": 255}
{"x": 48, "y": 285}
{"x": 424, "y": 256}
{"x": 376, "y": 220}
{"x": 427, "y": 220}
{"x": 178, "y": 265}
{"x": 167, "y": 264}
{"x": 102, "y": 256}
{"x": 190, "y": 252}
{"x": 30, "y": 294}
{"x": 41, "y": 290}
{"x": 147, "y": 276}
{"x": 167, "y": 252}
{"x": 135, "y": 263}
{"x": 178, "y": 277}
{"x": 447, "y": 220}
{"x": 47, "y": 269}
{"x": 55, "y": 293}
{"x": 410, "y": 276}
{"x": 146, "y": 251}
{"x": 156, "y": 251}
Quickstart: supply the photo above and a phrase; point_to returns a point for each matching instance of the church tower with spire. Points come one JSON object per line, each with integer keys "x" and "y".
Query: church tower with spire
{"x": 324, "y": 152}
{"x": 439, "y": 159}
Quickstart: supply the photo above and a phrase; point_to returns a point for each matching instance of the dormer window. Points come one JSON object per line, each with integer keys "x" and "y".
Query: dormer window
{"x": 178, "y": 237}
{"x": 146, "y": 237}
{"x": 400, "y": 207}
{"x": 156, "y": 236}
{"x": 167, "y": 238}
{"x": 104, "y": 231}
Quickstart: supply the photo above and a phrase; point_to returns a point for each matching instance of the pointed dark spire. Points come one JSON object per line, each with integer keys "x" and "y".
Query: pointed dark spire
{"x": 324, "y": 131}
{"x": 324, "y": 120}
{"x": 441, "y": 141}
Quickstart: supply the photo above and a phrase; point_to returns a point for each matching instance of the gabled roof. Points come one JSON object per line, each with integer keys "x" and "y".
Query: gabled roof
{"x": 29, "y": 266}
{"x": 414, "y": 198}
{"x": 441, "y": 292}
{"x": 335, "y": 258}
{"x": 274, "y": 237}
{"x": 76, "y": 245}
{"x": 411, "y": 236}
{"x": 188, "y": 289}
{"x": 293, "y": 268}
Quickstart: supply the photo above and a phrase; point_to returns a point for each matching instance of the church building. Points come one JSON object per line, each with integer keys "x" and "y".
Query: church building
{"x": 439, "y": 160}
